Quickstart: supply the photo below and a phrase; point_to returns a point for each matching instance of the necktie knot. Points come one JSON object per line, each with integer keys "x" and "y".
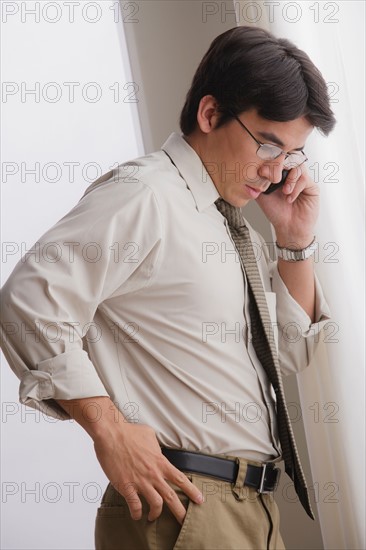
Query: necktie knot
{"x": 230, "y": 212}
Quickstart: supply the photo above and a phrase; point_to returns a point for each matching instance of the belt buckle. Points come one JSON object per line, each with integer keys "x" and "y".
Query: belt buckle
{"x": 263, "y": 478}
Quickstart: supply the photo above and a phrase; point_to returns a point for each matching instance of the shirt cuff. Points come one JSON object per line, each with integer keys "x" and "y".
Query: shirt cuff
{"x": 70, "y": 375}
{"x": 289, "y": 312}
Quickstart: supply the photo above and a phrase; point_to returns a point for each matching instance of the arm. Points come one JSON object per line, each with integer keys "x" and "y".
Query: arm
{"x": 131, "y": 458}
{"x": 54, "y": 291}
{"x": 301, "y": 309}
{"x": 293, "y": 211}
{"x": 299, "y": 279}
{"x": 47, "y": 301}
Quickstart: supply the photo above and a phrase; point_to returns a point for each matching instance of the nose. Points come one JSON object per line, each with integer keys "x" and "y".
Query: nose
{"x": 272, "y": 170}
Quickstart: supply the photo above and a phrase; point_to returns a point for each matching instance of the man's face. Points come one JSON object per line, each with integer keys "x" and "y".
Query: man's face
{"x": 229, "y": 154}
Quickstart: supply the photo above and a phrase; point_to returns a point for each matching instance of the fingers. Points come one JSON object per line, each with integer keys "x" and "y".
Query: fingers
{"x": 162, "y": 492}
{"x": 181, "y": 480}
{"x": 170, "y": 496}
{"x": 293, "y": 176}
{"x": 155, "y": 502}
{"x": 174, "y": 504}
{"x": 297, "y": 181}
{"x": 145, "y": 471}
{"x": 171, "y": 499}
{"x": 133, "y": 501}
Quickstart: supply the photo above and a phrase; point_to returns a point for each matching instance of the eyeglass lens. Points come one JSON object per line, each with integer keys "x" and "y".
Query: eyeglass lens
{"x": 270, "y": 152}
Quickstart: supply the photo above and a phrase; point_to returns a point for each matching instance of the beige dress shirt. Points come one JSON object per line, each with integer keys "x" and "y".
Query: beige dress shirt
{"x": 137, "y": 293}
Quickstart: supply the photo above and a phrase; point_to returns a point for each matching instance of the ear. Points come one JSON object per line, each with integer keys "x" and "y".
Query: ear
{"x": 207, "y": 114}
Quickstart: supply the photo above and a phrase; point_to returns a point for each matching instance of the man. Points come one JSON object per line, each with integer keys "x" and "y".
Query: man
{"x": 160, "y": 323}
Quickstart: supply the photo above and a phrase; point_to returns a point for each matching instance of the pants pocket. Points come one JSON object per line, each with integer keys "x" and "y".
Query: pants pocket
{"x": 168, "y": 529}
{"x": 114, "y": 527}
{"x": 116, "y": 530}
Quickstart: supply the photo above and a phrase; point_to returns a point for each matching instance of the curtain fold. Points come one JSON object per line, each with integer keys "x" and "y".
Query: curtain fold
{"x": 332, "y": 388}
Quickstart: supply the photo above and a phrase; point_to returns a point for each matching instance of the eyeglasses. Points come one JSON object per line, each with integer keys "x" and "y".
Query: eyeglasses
{"x": 267, "y": 151}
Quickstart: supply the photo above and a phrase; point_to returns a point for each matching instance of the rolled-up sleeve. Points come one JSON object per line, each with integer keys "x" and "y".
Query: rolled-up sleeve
{"x": 110, "y": 238}
{"x": 67, "y": 374}
{"x": 298, "y": 336}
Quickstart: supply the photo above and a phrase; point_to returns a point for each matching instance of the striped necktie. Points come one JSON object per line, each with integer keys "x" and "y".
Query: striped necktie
{"x": 264, "y": 346}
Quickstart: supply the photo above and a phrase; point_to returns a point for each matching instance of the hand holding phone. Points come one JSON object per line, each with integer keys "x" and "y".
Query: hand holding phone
{"x": 275, "y": 186}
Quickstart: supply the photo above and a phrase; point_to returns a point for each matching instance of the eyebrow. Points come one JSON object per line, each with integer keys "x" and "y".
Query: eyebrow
{"x": 275, "y": 139}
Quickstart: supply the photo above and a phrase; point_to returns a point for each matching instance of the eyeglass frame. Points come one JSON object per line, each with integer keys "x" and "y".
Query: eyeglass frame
{"x": 269, "y": 144}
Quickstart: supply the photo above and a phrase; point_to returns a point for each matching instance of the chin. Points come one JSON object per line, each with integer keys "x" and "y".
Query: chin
{"x": 239, "y": 202}
{"x": 235, "y": 199}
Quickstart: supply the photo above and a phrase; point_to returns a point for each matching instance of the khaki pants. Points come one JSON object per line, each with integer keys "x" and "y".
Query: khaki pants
{"x": 233, "y": 517}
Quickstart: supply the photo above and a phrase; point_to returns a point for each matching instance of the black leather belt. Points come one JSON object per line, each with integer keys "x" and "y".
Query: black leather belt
{"x": 263, "y": 478}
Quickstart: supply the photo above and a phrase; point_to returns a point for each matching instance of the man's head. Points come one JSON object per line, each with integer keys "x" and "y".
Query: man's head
{"x": 271, "y": 86}
{"x": 249, "y": 67}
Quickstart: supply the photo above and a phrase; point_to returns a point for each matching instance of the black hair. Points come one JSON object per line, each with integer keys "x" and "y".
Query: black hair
{"x": 248, "y": 67}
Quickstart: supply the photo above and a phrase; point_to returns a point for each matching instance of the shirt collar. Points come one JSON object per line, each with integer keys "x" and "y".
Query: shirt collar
{"x": 192, "y": 170}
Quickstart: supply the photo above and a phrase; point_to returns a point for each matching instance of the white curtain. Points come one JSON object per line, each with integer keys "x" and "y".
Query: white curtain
{"x": 332, "y": 388}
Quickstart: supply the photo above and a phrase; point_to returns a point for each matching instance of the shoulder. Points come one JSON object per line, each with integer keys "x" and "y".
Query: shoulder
{"x": 139, "y": 179}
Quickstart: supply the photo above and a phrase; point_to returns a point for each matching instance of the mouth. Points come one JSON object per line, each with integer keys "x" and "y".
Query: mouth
{"x": 254, "y": 193}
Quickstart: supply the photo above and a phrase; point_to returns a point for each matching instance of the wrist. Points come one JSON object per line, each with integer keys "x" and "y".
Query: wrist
{"x": 97, "y": 415}
{"x": 297, "y": 254}
{"x": 294, "y": 243}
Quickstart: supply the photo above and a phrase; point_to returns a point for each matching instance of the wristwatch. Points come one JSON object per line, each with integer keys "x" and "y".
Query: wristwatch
{"x": 293, "y": 255}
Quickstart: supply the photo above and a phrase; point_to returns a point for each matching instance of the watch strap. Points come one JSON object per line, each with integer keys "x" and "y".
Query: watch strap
{"x": 296, "y": 255}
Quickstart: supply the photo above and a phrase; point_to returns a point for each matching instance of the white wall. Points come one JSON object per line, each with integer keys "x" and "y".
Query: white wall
{"x": 55, "y": 459}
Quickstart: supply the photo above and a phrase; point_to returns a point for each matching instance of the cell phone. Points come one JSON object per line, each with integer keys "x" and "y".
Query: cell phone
{"x": 275, "y": 186}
